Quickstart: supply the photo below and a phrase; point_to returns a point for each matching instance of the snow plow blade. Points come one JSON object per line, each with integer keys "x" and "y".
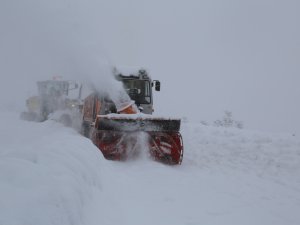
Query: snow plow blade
{"x": 116, "y": 136}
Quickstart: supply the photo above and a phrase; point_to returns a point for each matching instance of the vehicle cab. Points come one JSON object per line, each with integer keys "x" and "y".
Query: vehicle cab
{"x": 139, "y": 88}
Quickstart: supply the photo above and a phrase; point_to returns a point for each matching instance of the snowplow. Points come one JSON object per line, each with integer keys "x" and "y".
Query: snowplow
{"x": 54, "y": 96}
{"x": 118, "y": 130}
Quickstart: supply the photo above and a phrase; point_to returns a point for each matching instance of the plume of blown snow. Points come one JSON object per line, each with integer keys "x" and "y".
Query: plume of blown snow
{"x": 41, "y": 39}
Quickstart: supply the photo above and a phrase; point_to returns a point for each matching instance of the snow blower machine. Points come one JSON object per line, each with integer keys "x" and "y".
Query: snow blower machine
{"x": 54, "y": 97}
{"x": 116, "y": 126}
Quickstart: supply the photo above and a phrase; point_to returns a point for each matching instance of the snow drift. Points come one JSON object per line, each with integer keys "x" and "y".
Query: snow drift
{"x": 49, "y": 174}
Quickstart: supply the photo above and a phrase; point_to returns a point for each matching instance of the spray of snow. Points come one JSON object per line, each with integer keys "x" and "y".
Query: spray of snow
{"x": 138, "y": 148}
{"x": 44, "y": 39}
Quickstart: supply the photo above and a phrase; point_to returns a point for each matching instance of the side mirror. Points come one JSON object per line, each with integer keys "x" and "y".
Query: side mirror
{"x": 157, "y": 85}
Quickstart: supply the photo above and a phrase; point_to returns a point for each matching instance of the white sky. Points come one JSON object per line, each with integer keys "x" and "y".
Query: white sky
{"x": 210, "y": 56}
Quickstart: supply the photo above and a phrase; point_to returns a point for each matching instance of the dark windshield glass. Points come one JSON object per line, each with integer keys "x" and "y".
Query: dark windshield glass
{"x": 138, "y": 90}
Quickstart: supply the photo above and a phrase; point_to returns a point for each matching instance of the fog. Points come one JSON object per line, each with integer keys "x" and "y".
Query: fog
{"x": 46, "y": 39}
{"x": 211, "y": 56}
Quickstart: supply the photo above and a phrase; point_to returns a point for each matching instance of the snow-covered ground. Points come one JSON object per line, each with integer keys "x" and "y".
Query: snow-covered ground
{"x": 50, "y": 174}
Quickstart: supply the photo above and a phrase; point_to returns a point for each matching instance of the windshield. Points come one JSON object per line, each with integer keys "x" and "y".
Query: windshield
{"x": 138, "y": 90}
{"x": 53, "y": 88}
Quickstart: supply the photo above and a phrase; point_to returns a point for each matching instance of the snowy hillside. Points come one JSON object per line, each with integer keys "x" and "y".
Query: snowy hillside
{"x": 49, "y": 174}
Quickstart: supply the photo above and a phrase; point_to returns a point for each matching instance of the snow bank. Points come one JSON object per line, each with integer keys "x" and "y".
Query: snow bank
{"x": 48, "y": 173}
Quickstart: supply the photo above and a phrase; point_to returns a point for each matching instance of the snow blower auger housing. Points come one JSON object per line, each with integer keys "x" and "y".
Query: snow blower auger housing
{"x": 115, "y": 133}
